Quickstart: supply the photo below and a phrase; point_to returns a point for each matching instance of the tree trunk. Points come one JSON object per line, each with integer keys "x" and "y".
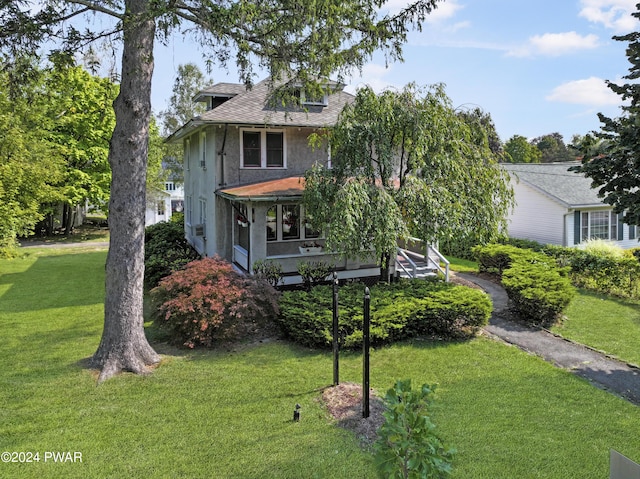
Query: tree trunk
{"x": 123, "y": 346}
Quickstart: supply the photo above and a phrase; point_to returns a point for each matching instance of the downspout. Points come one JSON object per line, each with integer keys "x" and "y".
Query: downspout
{"x": 222, "y": 153}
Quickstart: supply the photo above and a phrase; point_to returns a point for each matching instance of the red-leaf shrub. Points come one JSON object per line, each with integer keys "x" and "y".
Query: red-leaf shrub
{"x": 208, "y": 301}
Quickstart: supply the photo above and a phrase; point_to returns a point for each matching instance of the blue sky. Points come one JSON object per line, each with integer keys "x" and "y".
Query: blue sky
{"x": 537, "y": 67}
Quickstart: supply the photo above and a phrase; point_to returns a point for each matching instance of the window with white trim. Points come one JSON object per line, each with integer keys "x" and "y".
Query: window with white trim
{"x": 263, "y": 149}
{"x": 598, "y": 225}
{"x": 287, "y": 222}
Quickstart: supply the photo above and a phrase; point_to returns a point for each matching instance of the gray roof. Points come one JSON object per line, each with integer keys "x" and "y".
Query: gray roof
{"x": 556, "y": 181}
{"x": 221, "y": 89}
{"x": 251, "y": 107}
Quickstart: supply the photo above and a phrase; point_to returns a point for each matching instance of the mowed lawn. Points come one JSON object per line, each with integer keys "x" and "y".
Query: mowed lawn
{"x": 227, "y": 414}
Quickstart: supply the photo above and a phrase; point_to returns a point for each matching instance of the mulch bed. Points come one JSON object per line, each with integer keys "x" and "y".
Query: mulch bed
{"x": 344, "y": 403}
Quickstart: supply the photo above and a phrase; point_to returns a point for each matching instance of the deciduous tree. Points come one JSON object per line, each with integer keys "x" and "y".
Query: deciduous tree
{"x": 519, "y": 150}
{"x": 312, "y": 39}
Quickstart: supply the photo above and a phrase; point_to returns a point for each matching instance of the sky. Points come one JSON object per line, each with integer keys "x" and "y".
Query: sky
{"x": 536, "y": 66}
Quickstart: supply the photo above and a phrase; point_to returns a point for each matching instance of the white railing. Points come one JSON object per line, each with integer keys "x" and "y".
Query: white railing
{"x": 414, "y": 266}
{"x": 428, "y": 259}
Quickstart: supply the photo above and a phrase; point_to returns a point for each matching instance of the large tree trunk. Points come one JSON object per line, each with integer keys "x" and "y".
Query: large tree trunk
{"x": 123, "y": 346}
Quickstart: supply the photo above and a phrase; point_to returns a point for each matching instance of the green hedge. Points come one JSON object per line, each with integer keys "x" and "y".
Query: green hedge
{"x": 538, "y": 288}
{"x": 398, "y": 311}
{"x": 600, "y": 270}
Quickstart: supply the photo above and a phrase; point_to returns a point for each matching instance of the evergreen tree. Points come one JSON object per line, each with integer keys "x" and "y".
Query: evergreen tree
{"x": 612, "y": 158}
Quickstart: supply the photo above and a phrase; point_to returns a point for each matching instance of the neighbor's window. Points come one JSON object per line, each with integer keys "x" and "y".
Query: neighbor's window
{"x": 160, "y": 208}
{"x": 263, "y": 149}
{"x": 599, "y": 225}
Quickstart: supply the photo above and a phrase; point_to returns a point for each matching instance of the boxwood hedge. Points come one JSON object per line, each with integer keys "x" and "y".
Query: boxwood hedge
{"x": 400, "y": 310}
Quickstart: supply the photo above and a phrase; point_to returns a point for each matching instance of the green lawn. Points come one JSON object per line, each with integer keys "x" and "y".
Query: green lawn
{"x": 605, "y": 323}
{"x": 227, "y": 414}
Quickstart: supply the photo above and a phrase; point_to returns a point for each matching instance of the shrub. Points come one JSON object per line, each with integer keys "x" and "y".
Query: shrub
{"x": 600, "y": 267}
{"x": 538, "y": 288}
{"x": 165, "y": 250}
{"x": 208, "y": 301}
{"x": 538, "y": 292}
{"x": 400, "y": 310}
{"x": 408, "y": 445}
{"x": 313, "y": 272}
{"x": 270, "y": 271}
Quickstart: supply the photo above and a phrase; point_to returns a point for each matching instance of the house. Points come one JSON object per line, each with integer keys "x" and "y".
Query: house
{"x": 558, "y": 206}
{"x": 161, "y": 204}
{"x": 244, "y": 164}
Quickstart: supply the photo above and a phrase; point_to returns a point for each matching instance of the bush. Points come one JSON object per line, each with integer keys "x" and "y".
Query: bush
{"x": 538, "y": 292}
{"x": 313, "y": 272}
{"x": 601, "y": 267}
{"x": 270, "y": 271}
{"x": 165, "y": 250}
{"x": 408, "y": 445}
{"x": 538, "y": 288}
{"x": 398, "y": 311}
{"x": 208, "y": 301}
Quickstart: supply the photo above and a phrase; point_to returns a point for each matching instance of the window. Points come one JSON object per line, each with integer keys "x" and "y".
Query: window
{"x": 290, "y": 222}
{"x": 263, "y": 149}
{"x": 187, "y": 154}
{"x": 275, "y": 150}
{"x": 285, "y": 222}
{"x": 272, "y": 223}
{"x": 203, "y": 150}
{"x": 169, "y": 186}
{"x": 161, "y": 208}
{"x": 203, "y": 211}
{"x": 188, "y": 212}
{"x": 598, "y": 225}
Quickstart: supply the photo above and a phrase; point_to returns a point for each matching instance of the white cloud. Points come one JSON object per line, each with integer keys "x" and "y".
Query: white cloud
{"x": 372, "y": 75}
{"x": 555, "y": 44}
{"x": 593, "y": 91}
{"x": 443, "y": 10}
{"x": 613, "y": 14}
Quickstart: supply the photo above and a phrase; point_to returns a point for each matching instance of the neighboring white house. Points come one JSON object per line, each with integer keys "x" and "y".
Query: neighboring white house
{"x": 244, "y": 163}
{"x": 162, "y": 204}
{"x": 557, "y": 206}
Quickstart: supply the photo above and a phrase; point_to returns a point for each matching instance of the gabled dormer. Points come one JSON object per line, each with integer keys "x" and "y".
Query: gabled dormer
{"x": 217, "y": 94}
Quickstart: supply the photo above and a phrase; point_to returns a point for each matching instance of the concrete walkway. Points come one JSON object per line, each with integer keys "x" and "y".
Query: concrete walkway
{"x": 602, "y": 371}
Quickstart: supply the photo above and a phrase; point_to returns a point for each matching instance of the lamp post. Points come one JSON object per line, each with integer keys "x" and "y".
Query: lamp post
{"x": 365, "y": 354}
{"x": 336, "y": 345}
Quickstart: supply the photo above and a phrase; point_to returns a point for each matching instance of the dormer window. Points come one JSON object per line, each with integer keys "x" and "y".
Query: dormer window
{"x": 322, "y": 99}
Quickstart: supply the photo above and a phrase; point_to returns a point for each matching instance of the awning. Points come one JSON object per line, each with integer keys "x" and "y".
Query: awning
{"x": 289, "y": 189}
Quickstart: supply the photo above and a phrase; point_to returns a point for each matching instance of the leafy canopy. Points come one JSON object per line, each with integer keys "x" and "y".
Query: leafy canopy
{"x": 404, "y": 163}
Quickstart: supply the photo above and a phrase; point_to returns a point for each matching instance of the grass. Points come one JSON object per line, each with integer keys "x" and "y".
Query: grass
{"x": 605, "y": 323}
{"x": 463, "y": 265}
{"x": 227, "y": 414}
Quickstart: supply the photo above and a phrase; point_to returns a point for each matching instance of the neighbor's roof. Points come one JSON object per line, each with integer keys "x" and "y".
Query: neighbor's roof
{"x": 285, "y": 188}
{"x": 555, "y": 180}
{"x": 252, "y": 107}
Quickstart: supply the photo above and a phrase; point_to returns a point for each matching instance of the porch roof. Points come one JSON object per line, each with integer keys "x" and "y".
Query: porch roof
{"x": 290, "y": 188}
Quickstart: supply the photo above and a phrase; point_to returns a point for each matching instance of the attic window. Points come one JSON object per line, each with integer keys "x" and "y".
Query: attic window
{"x": 307, "y": 99}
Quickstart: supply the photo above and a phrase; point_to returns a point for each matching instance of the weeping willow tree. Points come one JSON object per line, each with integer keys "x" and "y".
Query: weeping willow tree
{"x": 406, "y": 164}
